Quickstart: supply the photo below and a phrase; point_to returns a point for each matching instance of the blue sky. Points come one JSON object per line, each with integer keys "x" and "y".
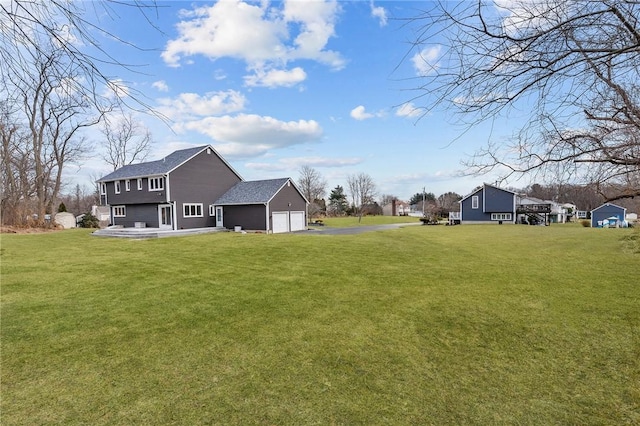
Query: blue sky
{"x": 275, "y": 86}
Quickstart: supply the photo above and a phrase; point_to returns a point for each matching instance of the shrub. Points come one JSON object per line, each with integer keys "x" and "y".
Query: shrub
{"x": 62, "y": 208}
{"x": 89, "y": 221}
{"x": 585, "y": 223}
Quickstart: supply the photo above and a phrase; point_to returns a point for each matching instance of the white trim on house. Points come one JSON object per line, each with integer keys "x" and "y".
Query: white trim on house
{"x": 119, "y": 211}
{"x": 192, "y": 210}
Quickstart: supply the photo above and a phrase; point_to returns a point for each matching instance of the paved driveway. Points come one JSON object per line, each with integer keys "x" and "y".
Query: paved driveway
{"x": 322, "y": 230}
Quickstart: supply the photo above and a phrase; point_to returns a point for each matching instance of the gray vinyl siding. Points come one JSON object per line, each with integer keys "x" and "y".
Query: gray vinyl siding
{"x": 147, "y": 213}
{"x": 251, "y": 217}
{"x": 288, "y": 194}
{"x": 134, "y": 196}
{"x": 203, "y": 179}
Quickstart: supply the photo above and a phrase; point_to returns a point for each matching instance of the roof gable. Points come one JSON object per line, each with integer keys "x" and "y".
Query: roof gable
{"x": 160, "y": 167}
{"x": 483, "y": 187}
{"x": 609, "y": 205}
{"x": 252, "y": 192}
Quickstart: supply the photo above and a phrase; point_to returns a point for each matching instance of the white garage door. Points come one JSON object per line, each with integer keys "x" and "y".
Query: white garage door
{"x": 280, "y": 222}
{"x": 297, "y": 221}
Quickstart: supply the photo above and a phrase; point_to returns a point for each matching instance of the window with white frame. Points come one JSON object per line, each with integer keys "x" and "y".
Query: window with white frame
{"x": 127, "y": 185}
{"x": 119, "y": 211}
{"x": 192, "y": 209}
{"x": 117, "y": 186}
{"x": 103, "y": 189}
{"x": 500, "y": 216}
{"x": 475, "y": 202}
{"x": 139, "y": 184}
{"x": 156, "y": 184}
{"x": 212, "y": 210}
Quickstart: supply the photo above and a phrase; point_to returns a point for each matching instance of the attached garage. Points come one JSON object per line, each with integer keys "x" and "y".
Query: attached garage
{"x": 280, "y": 222}
{"x": 297, "y": 221}
{"x": 274, "y": 205}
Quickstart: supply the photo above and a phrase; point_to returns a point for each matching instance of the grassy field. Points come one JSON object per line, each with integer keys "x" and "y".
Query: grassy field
{"x": 421, "y": 325}
{"x": 350, "y": 221}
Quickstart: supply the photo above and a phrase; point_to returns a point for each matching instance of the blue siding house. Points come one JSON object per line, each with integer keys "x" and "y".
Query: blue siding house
{"x": 488, "y": 204}
{"x": 605, "y": 214}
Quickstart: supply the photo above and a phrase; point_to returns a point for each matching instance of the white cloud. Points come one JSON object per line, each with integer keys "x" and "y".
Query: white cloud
{"x": 251, "y": 135}
{"x": 380, "y": 13}
{"x": 265, "y": 37}
{"x": 294, "y": 163}
{"x": 160, "y": 85}
{"x": 276, "y": 78}
{"x": 426, "y": 61}
{"x": 359, "y": 113}
{"x": 408, "y": 110}
{"x": 188, "y": 105}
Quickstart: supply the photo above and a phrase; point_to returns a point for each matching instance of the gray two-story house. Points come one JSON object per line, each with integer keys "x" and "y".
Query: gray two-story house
{"x": 197, "y": 188}
{"x": 488, "y": 204}
{"x": 172, "y": 193}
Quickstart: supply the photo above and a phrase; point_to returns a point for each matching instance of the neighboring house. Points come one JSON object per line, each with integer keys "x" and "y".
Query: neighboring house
{"x": 274, "y": 205}
{"x": 172, "y": 193}
{"x": 607, "y": 215}
{"x": 396, "y": 208}
{"x": 535, "y": 210}
{"x": 488, "y": 204}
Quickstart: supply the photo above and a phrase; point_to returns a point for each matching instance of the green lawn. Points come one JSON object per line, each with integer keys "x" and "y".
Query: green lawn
{"x": 350, "y": 221}
{"x": 421, "y": 325}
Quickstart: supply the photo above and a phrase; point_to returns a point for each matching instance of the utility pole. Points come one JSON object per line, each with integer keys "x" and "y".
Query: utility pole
{"x": 424, "y": 196}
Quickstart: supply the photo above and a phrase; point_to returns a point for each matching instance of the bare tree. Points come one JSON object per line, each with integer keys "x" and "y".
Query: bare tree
{"x": 51, "y": 115}
{"x": 313, "y": 187}
{"x": 574, "y": 64}
{"x": 127, "y": 141}
{"x": 76, "y": 30}
{"x": 362, "y": 190}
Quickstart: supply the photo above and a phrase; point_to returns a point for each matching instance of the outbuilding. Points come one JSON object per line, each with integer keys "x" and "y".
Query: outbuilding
{"x": 273, "y": 205}
{"x": 605, "y": 214}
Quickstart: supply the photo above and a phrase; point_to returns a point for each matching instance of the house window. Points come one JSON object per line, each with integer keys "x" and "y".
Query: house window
{"x": 192, "y": 210}
{"x": 212, "y": 210}
{"x": 500, "y": 216}
{"x": 119, "y": 211}
{"x": 156, "y": 184}
{"x": 103, "y": 189}
{"x": 127, "y": 185}
{"x": 139, "y": 184}
{"x": 474, "y": 202}
{"x": 117, "y": 186}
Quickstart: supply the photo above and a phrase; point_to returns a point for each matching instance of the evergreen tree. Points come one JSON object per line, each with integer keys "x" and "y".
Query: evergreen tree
{"x": 338, "y": 201}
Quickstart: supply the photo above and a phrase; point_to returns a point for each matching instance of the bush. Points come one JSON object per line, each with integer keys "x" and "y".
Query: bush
{"x": 62, "y": 208}
{"x": 89, "y": 221}
{"x": 585, "y": 223}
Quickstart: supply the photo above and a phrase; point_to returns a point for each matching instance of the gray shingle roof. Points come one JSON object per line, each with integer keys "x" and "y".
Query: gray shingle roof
{"x": 253, "y": 192}
{"x": 153, "y": 168}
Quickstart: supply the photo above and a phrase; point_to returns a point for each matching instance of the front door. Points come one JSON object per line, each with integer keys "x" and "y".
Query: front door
{"x": 219, "y": 222}
{"x": 164, "y": 216}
